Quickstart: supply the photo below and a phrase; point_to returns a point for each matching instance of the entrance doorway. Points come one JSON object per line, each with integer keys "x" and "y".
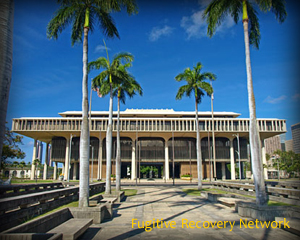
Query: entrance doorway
{"x": 176, "y": 170}
{"x": 150, "y": 170}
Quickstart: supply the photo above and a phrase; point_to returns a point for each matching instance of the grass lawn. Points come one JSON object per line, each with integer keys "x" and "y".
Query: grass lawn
{"x": 129, "y": 192}
{"x": 19, "y": 181}
{"x": 196, "y": 192}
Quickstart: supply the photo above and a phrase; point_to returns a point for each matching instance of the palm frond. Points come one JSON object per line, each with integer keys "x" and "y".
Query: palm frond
{"x": 187, "y": 75}
{"x": 117, "y": 5}
{"x": 209, "y": 76}
{"x": 216, "y": 11}
{"x": 254, "y": 32}
{"x": 77, "y": 28}
{"x": 276, "y": 6}
{"x": 101, "y": 62}
{"x": 106, "y": 22}
{"x": 62, "y": 18}
{"x": 184, "y": 90}
{"x": 123, "y": 57}
{"x": 101, "y": 82}
{"x": 198, "y": 95}
{"x": 205, "y": 87}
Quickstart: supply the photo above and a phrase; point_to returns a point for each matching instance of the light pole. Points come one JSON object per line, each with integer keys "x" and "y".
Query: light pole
{"x": 278, "y": 167}
{"x": 71, "y": 139}
{"x": 190, "y": 154}
{"x": 209, "y": 156}
{"x": 238, "y": 152}
{"x": 213, "y": 133}
{"x": 92, "y": 162}
{"x": 100, "y": 157}
{"x": 136, "y": 145}
{"x": 173, "y": 166}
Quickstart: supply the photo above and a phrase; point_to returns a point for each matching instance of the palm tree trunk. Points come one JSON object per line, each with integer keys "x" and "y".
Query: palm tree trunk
{"x": 109, "y": 144}
{"x": 199, "y": 158}
{"x": 255, "y": 148}
{"x": 118, "y": 157}
{"x": 6, "y": 46}
{"x": 85, "y": 135}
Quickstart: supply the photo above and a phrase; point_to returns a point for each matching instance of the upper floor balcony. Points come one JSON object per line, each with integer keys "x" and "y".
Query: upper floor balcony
{"x": 234, "y": 125}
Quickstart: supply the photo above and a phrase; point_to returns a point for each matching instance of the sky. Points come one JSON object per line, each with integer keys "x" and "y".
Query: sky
{"x": 165, "y": 37}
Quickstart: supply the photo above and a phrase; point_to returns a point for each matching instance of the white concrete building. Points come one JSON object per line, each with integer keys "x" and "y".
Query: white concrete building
{"x": 146, "y": 140}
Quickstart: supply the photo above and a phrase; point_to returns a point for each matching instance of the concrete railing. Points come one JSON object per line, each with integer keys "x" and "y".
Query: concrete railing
{"x": 273, "y": 183}
{"x": 286, "y": 195}
{"x": 15, "y": 210}
{"x": 148, "y": 124}
{"x": 24, "y": 201}
{"x": 21, "y": 189}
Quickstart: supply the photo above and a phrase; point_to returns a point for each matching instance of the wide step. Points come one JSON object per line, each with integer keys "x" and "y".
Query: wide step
{"x": 73, "y": 228}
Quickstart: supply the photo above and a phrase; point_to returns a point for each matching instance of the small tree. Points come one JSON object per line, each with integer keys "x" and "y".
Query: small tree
{"x": 36, "y": 162}
{"x": 11, "y": 148}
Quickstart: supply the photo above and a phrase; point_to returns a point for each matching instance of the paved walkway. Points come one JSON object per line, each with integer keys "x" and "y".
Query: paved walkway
{"x": 173, "y": 208}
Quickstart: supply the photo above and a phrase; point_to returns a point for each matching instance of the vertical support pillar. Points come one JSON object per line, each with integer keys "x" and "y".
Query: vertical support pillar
{"x": 67, "y": 160}
{"x": 264, "y": 159}
{"x": 33, "y": 158}
{"x": 223, "y": 170}
{"x": 46, "y": 162}
{"x": 75, "y": 169}
{"x": 55, "y": 171}
{"x": 133, "y": 163}
{"x": 100, "y": 157}
{"x": 232, "y": 164}
{"x": 167, "y": 170}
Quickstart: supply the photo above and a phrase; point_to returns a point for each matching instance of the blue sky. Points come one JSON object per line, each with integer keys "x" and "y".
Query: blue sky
{"x": 165, "y": 37}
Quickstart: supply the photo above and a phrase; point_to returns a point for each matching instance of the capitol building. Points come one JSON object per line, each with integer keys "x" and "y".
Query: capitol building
{"x": 147, "y": 139}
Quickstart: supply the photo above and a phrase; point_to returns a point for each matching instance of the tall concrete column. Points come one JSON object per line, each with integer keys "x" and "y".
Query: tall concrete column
{"x": 75, "y": 169}
{"x": 223, "y": 170}
{"x": 133, "y": 162}
{"x": 55, "y": 171}
{"x": 99, "y": 174}
{"x": 232, "y": 164}
{"x": 167, "y": 170}
{"x": 67, "y": 160}
{"x": 264, "y": 159}
{"x": 33, "y": 158}
{"x": 46, "y": 162}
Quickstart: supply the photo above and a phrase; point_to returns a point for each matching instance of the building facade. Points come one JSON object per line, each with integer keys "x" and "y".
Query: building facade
{"x": 273, "y": 144}
{"x": 289, "y": 145}
{"x": 148, "y": 140}
{"x": 296, "y": 137}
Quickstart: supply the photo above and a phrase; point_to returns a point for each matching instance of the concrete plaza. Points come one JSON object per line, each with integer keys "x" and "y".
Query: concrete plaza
{"x": 171, "y": 212}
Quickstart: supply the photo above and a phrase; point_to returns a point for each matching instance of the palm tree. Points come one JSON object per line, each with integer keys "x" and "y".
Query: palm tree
{"x": 215, "y": 13}
{"x": 197, "y": 86}
{"x": 106, "y": 80}
{"x": 6, "y": 54}
{"x": 128, "y": 87}
{"x": 83, "y": 15}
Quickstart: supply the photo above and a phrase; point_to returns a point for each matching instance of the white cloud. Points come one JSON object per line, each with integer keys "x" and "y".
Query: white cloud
{"x": 100, "y": 48}
{"x": 157, "y": 32}
{"x": 195, "y": 25}
{"x": 272, "y": 100}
